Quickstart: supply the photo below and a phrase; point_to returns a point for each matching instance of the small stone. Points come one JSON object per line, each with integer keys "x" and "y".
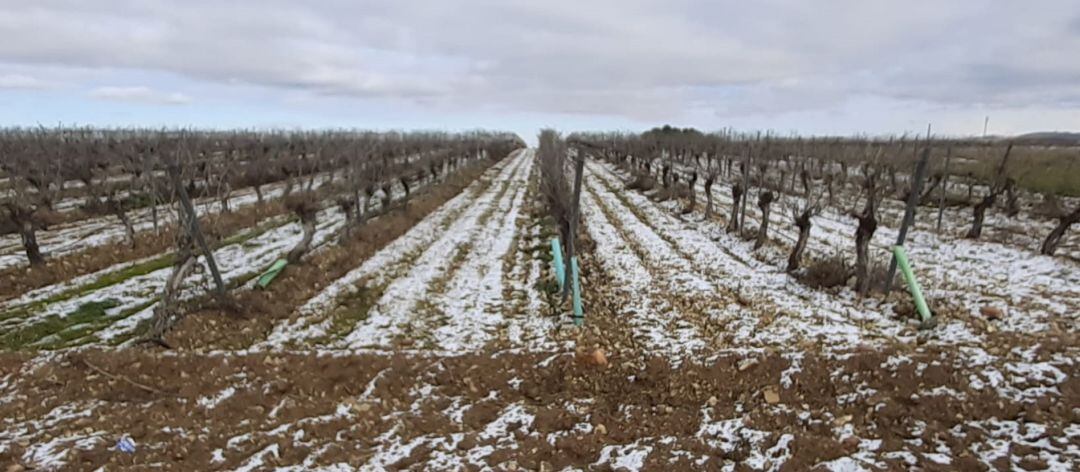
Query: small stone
{"x": 771, "y": 397}
{"x": 991, "y": 313}
{"x": 15, "y": 468}
{"x": 472, "y": 386}
{"x": 599, "y": 358}
{"x": 600, "y": 429}
{"x": 712, "y": 401}
{"x": 850, "y": 444}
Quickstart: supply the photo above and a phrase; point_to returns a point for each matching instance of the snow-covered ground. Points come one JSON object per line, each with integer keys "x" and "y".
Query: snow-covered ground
{"x": 712, "y": 287}
{"x": 92, "y": 232}
{"x": 133, "y": 299}
{"x": 435, "y": 353}
{"x": 442, "y": 285}
{"x": 1034, "y": 292}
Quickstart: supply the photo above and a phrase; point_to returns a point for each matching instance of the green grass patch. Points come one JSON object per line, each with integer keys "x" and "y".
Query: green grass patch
{"x": 84, "y": 334}
{"x": 1053, "y": 170}
{"x": 85, "y": 314}
{"x": 106, "y": 280}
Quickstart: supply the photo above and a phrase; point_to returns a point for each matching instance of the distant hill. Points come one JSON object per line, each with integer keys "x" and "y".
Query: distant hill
{"x": 1049, "y": 137}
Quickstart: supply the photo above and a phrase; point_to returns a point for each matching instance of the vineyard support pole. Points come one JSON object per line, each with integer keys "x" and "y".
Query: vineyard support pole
{"x": 192, "y": 223}
{"x": 579, "y": 169}
{"x": 909, "y": 213}
{"x": 944, "y": 189}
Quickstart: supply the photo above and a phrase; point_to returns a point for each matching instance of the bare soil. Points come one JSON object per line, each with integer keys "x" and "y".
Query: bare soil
{"x": 341, "y": 408}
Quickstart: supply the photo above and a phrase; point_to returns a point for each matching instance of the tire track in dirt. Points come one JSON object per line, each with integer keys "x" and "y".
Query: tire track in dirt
{"x": 396, "y": 277}
{"x": 654, "y": 322}
{"x": 525, "y": 323}
{"x": 709, "y": 305}
{"x": 471, "y": 301}
{"x": 394, "y": 319}
{"x": 334, "y": 311}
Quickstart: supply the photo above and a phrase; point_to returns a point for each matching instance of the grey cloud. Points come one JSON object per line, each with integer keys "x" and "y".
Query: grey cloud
{"x": 645, "y": 60}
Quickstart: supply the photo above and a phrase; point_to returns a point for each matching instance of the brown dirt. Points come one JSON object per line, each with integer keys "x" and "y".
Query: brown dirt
{"x": 634, "y": 398}
{"x": 826, "y": 272}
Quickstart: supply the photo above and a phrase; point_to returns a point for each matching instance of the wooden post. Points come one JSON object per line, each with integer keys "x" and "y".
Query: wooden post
{"x": 579, "y": 315}
{"x": 909, "y": 213}
{"x": 741, "y": 224}
{"x": 579, "y": 169}
{"x": 192, "y": 223}
{"x": 944, "y": 189}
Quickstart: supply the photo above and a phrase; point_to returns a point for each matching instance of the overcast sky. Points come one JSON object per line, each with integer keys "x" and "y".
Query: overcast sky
{"x": 814, "y": 67}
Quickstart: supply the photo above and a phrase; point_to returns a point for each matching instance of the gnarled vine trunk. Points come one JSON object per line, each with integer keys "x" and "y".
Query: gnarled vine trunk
{"x": 166, "y": 313}
{"x": 386, "y": 198}
{"x": 764, "y": 204}
{"x": 307, "y": 223}
{"x": 802, "y": 221}
{"x": 1050, "y": 245}
{"x": 693, "y": 194}
{"x": 1012, "y": 200}
{"x": 864, "y": 233}
{"x": 28, "y": 234}
{"x": 736, "y": 197}
{"x": 979, "y": 215}
{"x": 709, "y": 179}
{"x": 121, "y": 214}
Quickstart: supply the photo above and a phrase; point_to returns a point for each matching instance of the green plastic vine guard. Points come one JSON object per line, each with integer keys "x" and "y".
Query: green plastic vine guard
{"x": 560, "y": 275}
{"x": 913, "y": 285}
{"x": 557, "y": 262}
{"x": 271, "y": 273}
{"x": 579, "y": 316}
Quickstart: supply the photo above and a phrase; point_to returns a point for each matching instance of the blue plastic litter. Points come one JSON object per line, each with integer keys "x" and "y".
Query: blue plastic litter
{"x": 126, "y": 444}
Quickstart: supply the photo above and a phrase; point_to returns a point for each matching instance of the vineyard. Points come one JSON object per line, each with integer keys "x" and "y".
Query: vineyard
{"x": 392, "y": 300}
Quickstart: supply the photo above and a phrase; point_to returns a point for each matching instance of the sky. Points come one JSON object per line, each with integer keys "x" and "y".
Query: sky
{"x": 837, "y": 67}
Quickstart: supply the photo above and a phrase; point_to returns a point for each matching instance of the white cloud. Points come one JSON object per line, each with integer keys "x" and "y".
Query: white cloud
{"x": 20, "y": 81}
{"x": 139, "y": 94}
